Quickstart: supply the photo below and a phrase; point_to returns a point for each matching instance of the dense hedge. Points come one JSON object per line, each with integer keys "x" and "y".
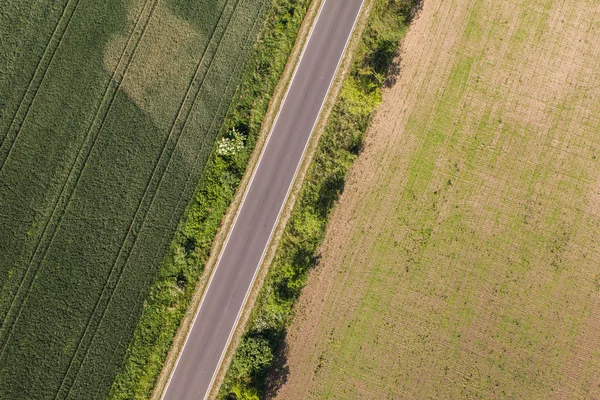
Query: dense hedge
{"x": 338, "y": 148}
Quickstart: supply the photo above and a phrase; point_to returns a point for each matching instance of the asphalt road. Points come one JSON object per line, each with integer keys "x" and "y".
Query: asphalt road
{"x": 243, "y": 252}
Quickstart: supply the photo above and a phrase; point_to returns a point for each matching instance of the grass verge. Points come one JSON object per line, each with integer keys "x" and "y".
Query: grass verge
{"x": 339, "y": 145}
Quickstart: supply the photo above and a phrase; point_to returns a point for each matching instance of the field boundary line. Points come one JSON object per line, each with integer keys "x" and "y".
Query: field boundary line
{"x": 218, "y": 241}
{"x": 32, "y": 87}
{"x": 63, "y": 195}
{"x": 174, "y": 127}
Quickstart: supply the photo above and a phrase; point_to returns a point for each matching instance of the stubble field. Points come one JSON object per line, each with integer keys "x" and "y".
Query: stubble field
{"x": 109, "y": 112}
{"x": 462, "y": 259}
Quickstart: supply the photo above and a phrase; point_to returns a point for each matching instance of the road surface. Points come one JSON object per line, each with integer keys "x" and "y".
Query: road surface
{"x": 267, "y": 192}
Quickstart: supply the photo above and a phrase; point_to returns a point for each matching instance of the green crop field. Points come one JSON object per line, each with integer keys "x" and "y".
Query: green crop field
{"x": 109, "y": 111}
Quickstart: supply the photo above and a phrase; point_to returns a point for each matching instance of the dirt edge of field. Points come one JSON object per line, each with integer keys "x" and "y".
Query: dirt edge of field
{"x": 337, "y": 260}
{"x": 221, "y": 236}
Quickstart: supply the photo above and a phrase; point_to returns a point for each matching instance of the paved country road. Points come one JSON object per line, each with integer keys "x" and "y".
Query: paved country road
{"x": 267, "y": 192}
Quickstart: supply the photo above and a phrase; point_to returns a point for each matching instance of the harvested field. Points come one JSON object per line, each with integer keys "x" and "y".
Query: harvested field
{"x": 109, "y": 112}
{"x": 462, "y": 259}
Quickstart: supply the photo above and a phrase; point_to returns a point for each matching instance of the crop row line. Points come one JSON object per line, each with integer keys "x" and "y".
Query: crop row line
{"x": 197, "y": 158}
{"x": 73, "y": 177}
{"x": 36, "y": 80}
{"x": 196, "y": 162}
{"x": 174, "y": 214}
{"x": 135, "y": 227}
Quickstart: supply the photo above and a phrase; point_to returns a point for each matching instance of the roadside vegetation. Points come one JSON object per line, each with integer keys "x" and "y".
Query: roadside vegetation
{"x": 110, "y": 112}
{"x": 338, "y": 147}
{"x": 172, "y": 291}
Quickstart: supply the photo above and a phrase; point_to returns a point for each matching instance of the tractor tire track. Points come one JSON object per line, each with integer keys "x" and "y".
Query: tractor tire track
{"x": 173, "y": 220}
{"x": 14, "y": 129}
{"x": 134, "y": 229}
{"x": 53, "y": 223}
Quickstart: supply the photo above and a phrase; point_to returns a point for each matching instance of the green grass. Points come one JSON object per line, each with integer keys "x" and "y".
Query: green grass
{"x": 109, "y": 115}
{"x": 28, "y": 28}
{"x": 338, "y": 147}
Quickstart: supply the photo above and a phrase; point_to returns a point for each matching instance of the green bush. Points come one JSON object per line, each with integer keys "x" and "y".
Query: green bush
{"x": 255, "y": 357}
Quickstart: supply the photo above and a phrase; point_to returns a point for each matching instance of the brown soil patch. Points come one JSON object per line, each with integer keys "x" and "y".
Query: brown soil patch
{"x": 462, "y": 258}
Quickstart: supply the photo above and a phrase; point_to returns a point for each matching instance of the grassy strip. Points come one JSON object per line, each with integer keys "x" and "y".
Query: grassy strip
{"x": 297, "y": 252}
{"x": 172, "y": 292}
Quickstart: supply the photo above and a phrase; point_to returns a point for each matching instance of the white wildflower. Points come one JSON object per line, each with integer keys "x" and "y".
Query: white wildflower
{"x": 231, "y": 143}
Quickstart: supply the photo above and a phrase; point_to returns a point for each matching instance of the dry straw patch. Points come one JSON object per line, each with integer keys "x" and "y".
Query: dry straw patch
{"x": 164, "y": 62}
{"x": 462, "y": 258}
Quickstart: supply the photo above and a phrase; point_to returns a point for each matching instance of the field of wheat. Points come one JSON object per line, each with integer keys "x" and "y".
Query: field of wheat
{"x": 109, "y": 112}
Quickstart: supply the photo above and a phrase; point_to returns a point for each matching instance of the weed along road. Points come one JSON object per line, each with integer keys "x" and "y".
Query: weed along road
{"x": 263, "y": 201}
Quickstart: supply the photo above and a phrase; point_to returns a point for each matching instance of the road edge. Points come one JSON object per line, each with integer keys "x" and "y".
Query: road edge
{"x": 232, "y": 211}
{"x": 335, "y": 89}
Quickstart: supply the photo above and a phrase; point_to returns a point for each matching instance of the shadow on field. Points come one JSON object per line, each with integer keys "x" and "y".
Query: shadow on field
{"x": 280, "y": 370}
{"x": 379, "y": 65}
{"x": 395, "y": 66}
{"x": 416, "y": 10}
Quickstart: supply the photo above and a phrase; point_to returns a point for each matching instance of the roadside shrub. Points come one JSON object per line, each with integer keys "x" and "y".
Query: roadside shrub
{"x": 255, "y": 357}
